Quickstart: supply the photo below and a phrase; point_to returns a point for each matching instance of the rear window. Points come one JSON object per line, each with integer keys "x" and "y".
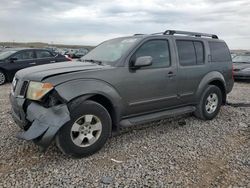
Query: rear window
{"x": 219, "y": 52}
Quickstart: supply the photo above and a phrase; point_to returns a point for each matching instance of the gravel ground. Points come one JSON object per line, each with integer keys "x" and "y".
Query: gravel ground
{"x": 177, "y": 152}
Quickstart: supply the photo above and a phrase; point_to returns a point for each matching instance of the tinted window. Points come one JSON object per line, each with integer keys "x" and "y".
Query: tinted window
{"x": 43, "y": 54}
{"x": 199, "y": 49}
{"x": 24, "y": 55}
{"x": 158, "y": 50}
{"x": 186, "y": 52}
{"x": 190, "y": 52}
{"x": 219, "y": 52}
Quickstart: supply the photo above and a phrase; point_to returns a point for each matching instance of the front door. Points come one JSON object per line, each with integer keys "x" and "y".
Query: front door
{"x": 151, "y": 88}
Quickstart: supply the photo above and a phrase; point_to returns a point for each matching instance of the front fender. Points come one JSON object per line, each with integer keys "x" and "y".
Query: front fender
{"x": 208, "y": 78}
{"x": 87, "y": 88}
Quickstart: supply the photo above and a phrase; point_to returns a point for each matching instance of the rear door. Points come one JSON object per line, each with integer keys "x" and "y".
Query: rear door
{"x": 24, "y": 59}
{"x": 44, "y": 57}
{"x": 192, "y": 67}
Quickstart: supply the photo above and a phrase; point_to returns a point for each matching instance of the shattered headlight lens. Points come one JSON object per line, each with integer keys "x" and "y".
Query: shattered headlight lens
{"x": 37, "y": 90}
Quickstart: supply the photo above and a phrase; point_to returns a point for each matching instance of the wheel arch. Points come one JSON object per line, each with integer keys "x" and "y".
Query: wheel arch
{"x": 95, "y": 90}
{"x": 212, "y": 78}
{"x": 5, "y": 73}
{"x": 106, "y": 103}
{"x": 220, "y": 85}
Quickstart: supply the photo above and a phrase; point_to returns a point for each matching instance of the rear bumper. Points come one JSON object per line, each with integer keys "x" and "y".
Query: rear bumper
{"x": 38, "y": 122}
{"x": 229, "y": 85}
{"x": 242, "y": 75}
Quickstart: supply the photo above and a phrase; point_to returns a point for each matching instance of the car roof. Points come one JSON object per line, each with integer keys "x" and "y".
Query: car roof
{"x": 19, "y": 49}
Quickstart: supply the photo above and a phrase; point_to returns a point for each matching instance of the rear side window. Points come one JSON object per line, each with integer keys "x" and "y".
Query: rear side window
{"x": 199, "y": 49}
{"x": 190, "y": 52}
{"x": 219, "y": 52}
{"x": 43, "y": 54}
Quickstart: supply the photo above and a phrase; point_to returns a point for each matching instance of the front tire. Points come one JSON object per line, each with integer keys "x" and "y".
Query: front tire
{"x": 210, "y": 103}
{"x": 2, "y": 78}
{"x": 86, "y": 132}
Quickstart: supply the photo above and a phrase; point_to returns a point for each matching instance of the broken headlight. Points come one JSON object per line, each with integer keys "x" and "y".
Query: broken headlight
{"x": 37, "y": 90}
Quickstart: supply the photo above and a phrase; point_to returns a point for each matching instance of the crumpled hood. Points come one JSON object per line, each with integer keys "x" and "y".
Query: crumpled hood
{"x": 241, "y": 66}
{"x": 38, "y": 73}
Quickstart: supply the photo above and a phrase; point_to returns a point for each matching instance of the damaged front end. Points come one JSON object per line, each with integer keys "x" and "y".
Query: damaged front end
{"x": 45, "y": 123}
{"x": 40, "y": 119}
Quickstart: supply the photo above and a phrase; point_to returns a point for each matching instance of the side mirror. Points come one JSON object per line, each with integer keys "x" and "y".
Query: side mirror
{"x": 143, "y": 61}
{"x": 13, "y": 59}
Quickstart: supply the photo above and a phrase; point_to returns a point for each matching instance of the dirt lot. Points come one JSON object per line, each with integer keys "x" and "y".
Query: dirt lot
{"x": 177, "y": 152}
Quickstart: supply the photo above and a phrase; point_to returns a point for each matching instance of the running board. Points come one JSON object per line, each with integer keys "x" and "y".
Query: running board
{"x": 156, "y": 116}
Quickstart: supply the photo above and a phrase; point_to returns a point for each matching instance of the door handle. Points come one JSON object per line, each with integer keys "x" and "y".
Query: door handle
{"x": 34, "y": 63}
{"x": 171, "y": 74}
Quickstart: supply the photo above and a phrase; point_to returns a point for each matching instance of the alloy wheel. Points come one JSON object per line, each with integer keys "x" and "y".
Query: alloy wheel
{"x": 2, "y": 78}
{"x": 86, "y": 130}
{"x": 211, "y": 103}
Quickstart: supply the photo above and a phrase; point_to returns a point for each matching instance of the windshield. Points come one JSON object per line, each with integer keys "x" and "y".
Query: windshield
{"x": 242, "y": 59}
{"x": 111, "y": 50}
{"x": 5, "y": 54}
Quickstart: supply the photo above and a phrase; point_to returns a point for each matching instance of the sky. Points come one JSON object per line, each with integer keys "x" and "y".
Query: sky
{"x": 89, "y": 22}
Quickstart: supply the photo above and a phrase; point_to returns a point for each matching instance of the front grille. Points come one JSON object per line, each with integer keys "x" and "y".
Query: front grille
{"x": 24, "y": 88}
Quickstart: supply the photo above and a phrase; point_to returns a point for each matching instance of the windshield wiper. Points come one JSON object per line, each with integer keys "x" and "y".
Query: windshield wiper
{"x": 92, "y": 61}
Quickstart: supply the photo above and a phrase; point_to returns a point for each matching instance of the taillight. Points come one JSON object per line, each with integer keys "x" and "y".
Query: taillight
{"x": 68, "y": 58}
{"x": 233, "y": 71}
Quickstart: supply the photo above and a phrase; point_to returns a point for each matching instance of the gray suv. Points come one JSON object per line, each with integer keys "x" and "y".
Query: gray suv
{"x": 120, "y": 83}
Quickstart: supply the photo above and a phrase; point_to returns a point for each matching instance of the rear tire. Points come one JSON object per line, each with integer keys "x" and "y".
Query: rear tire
{"x": 86, "y": 132}
{"x": 2, "y": 78}
{"x": 210, "y": 103}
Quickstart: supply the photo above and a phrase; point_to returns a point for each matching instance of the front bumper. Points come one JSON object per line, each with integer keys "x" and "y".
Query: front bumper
{"x": 17, "y": 111}
{"x": 45, "y": 122}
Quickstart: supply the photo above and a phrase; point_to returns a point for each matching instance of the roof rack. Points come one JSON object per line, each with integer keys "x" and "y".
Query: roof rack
{"x": 160, "y": 33}
{"x": 173, "y": 32}
{"x": 138, "y": 34}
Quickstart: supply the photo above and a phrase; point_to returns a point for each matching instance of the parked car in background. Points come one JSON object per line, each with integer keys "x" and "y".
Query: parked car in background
{"x": 71, "y": 53}
{"x": 61, "y": 51}
{"x": 242, "y": 66}
{"x": 81, "y": 52}
{"x": 14, "y": 59}
{"x": 120, "y": 83}
{"x": 233, "y": 54}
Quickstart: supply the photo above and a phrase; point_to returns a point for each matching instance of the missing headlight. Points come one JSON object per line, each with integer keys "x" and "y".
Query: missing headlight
{"x": 52, "y": 99}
